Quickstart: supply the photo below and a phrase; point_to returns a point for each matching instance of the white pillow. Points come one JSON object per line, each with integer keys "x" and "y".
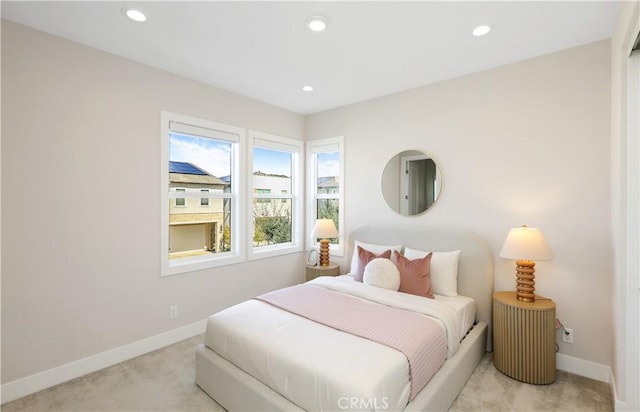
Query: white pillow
{"x": 444, "y": 270}
{"x": 382, "y": 273}
{"x": 377, "y": 249}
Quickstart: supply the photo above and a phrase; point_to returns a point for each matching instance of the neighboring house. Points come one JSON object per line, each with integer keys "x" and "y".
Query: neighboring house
{"x": 271, "y": 184}
{"x": 328, "y": 185}
{"x": 271, "y": 213}
{"x": 196, "y": 223}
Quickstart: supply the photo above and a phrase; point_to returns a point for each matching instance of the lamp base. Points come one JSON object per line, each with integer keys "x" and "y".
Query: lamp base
{"x": 324, "y": 252}
{"x": 525, "y": 280}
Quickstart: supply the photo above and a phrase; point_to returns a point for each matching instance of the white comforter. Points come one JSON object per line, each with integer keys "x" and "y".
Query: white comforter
{"x": 319, "y": 368}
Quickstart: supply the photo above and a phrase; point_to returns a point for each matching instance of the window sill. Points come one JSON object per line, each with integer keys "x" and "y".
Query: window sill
{"x": 198, "y": 262}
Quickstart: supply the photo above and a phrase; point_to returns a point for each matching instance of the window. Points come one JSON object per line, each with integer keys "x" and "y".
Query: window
{"x": 180, "y": 201}
{"x": 325, "y": 191}
{"x": 262, "y": 192}
{"x": 212, "y": 215}
{"x": 200, "y": 160}
{"x": 276, "y": 186}
{"x": 204, "y": 201}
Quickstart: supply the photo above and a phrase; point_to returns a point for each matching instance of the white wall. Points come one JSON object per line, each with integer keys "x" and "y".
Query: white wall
{"x": 80, "y": 188}
{"x": 526, "y": 143}
{"x": 625, "y": 359}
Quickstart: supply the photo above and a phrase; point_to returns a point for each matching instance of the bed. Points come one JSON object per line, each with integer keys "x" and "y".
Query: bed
{"x": 257, "y": 356}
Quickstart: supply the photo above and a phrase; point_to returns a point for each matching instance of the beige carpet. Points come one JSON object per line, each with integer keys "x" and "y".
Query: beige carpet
{"x": 489, "y": 390}
{"x": 164, "y": 380}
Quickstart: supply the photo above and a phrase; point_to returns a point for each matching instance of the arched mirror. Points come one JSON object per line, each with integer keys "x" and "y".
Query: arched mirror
{"x": 411, "y": 182}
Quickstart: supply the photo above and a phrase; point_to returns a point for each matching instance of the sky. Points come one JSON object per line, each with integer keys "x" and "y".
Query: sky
{"x": 271, "y": 161}
{"x": 328, "y": 164}
{"x": 214, "y": 156}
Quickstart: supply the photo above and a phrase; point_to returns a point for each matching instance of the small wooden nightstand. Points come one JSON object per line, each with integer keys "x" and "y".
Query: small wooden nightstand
{"x": 524, "y": 338}
{"x": 313, "y": 272}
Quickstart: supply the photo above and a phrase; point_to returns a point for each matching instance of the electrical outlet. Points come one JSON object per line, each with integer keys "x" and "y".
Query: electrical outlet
{"x": 173, "y": 312}
{"x": 567, "y": 335}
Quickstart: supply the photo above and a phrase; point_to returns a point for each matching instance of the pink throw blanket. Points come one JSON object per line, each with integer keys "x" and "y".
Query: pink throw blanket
{"x": 418, "y": 337}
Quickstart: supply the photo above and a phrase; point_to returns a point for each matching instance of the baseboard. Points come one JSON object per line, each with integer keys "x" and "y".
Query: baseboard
{"x": 54, "y": 376}
{"x": 618, "y": 405}
{"x": 583, "y": 367}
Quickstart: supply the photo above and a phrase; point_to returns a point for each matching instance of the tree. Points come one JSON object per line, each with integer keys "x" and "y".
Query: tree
{"x": 272, "y": 222}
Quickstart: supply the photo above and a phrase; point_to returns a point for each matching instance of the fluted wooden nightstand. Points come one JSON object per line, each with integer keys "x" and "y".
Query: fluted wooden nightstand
{"x": 313, "y": 272}
{"x": 524, "y": 338}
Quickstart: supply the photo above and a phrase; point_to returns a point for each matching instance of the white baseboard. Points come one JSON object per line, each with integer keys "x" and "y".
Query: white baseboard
{"x": 618, "y": 405}
{"x": 46, "y": 379}
{"x": 583, "y": 367}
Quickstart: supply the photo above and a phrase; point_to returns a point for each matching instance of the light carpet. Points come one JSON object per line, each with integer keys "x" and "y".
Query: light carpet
{"x": 164, "y": 380}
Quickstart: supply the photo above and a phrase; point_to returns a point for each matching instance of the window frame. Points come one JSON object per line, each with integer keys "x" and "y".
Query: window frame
{"x": 296, "y": 148}
{"x": 193, "y": 126}
{"x": 327, "y": 145}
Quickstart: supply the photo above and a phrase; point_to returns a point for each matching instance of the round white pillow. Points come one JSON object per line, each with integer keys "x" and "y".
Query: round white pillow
{"x": 382, "y": 273}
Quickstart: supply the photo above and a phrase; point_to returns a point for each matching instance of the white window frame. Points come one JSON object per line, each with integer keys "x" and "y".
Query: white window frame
{"x": 296, "y": 148}
{"x": 201, "y": 127}
{"x": 332, "y": 144}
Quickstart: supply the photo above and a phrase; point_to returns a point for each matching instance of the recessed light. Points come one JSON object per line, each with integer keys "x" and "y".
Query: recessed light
{"x": 135, "y": 15}
{"x": 307, "y": 88}
{"x": 316, "y": 23}
{"x": 481, "y": 30}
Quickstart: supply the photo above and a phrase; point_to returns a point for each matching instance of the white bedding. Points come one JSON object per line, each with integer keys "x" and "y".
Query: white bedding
{"x": 464, "y": 306}
{"x": 299, "y": 358}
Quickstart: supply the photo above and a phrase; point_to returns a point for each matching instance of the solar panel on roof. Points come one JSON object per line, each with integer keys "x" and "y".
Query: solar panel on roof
{"x": 186, "y": 168}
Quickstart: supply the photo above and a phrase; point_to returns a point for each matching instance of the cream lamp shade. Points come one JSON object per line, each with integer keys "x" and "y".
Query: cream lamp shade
{"x": 525, "y": 244}
{"x": 324, "y": 229}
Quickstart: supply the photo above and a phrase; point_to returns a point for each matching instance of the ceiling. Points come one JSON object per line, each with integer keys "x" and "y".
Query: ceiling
{"x": 263, "y": 50}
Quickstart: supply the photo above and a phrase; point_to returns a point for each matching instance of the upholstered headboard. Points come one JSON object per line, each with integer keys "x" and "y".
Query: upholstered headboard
{"x": 475, "y": 269}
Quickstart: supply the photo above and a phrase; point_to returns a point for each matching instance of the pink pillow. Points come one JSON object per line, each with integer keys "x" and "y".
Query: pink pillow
{"x": 414, "y": 275}
{"x": 364, "y": 257}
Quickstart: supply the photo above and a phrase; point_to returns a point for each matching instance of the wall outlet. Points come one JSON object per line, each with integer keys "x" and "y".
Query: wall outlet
{"x": 173, "y": 312}
{"x": 567, "y": 335}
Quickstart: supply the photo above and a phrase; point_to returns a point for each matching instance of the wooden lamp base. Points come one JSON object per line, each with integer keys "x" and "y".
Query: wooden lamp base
{"x": 525, "y": 280}
{"x": 324, "y": 252}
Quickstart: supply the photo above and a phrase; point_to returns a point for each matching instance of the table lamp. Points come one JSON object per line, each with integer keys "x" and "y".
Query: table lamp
{"x": 525, "y": 244}
{"x": 324, "y": 229}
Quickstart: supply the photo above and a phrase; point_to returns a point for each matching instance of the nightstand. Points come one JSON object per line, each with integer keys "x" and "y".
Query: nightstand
{"x": 524, "y": 338}
{"x": 313, "y": 272}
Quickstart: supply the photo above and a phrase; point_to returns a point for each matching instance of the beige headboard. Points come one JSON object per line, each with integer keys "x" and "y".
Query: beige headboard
{"x": 475, "y": 270}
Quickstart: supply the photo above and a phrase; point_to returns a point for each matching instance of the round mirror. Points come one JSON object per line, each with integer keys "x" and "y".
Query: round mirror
{"x": 411, "y": 182}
